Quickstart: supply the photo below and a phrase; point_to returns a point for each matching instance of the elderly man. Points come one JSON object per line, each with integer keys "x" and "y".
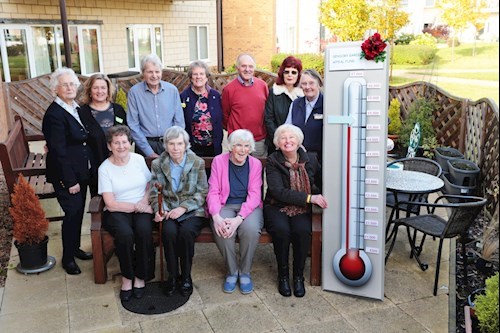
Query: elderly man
{"x": 243, "y": 103}
{"x": 153, "y": 107}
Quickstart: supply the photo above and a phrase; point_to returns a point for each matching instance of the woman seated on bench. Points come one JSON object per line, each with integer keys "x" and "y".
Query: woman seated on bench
{"x": 124, "y": 185}
{"x": 184, "y": 187}
{"x": 287, "y": 210}
{"x": 234, "y": 201}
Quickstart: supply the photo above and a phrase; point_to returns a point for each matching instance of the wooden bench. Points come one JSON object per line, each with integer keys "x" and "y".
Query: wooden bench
{"x": 17, "y": 158}
{"x": 103, "y": 246}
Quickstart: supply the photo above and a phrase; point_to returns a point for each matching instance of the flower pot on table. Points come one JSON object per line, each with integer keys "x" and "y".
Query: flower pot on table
{"x": 443, "y": 154}
{"x": 463, "y": 172}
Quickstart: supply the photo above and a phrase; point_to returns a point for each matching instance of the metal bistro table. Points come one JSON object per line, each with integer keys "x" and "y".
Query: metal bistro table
{"x": 413, "y": 183}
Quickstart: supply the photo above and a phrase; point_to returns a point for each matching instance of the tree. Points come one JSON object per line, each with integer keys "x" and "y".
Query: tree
{"x": 388, "y": 19}
{"x": 348, "y": 20}
{"x": 460, "y": 13}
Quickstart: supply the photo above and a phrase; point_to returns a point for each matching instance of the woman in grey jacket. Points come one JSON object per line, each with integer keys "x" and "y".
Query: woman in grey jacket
{"x": 184, "y": 187}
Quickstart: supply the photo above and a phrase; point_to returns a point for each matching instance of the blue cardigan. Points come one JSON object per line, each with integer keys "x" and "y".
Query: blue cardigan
{"x": 189, "y": 98}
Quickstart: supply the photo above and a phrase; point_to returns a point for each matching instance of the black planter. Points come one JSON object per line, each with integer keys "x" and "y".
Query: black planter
{"x": 443, "y": 154}
{"x": 450, "y": 188}
{"x": 463, "y": 172}
{"x": 33, "y": 258}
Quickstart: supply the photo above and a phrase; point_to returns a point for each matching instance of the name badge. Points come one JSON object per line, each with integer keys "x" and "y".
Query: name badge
{"x": 318, "y": 116}
{"x": 119, "y": 120}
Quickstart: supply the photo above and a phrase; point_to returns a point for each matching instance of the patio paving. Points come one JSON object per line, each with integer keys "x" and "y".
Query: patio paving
{"x": 53, "y": 301}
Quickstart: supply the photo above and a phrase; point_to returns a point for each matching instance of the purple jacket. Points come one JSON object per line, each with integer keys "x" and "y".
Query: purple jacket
{"x": 219, "y": 187}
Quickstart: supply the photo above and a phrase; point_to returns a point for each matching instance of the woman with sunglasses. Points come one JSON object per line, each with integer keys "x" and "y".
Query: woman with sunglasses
{"x": 282, "y": 94}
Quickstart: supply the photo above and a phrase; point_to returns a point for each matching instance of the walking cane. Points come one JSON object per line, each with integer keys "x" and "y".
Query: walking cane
{"x": 159, "y": 187}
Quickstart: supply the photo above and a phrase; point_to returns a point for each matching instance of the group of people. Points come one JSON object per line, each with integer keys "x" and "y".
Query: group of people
{"x": 90, "y": 146}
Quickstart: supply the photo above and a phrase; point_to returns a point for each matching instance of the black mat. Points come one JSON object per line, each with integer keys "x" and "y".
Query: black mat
{"x": 155, "y": 301}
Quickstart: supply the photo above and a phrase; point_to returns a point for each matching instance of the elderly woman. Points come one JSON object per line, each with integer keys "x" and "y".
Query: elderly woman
{"x": 98, "y": 114}
{"x": 184, "y": 187}
{"x": 235, "y": 204}
{"x": 202, "y": 112}
{"x": 281, "y": 95}
{"x": 287, "y": 210}
{"x": 70, "y": 162}
{"x": 124, "y": 185}
{"x": 307, "y": 112}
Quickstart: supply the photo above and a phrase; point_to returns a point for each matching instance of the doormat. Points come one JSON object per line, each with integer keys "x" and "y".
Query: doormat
{"x": 154, "y": 301}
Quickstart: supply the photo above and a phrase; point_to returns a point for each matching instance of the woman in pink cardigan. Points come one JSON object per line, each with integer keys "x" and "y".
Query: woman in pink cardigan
{"x": 234, "y": 201}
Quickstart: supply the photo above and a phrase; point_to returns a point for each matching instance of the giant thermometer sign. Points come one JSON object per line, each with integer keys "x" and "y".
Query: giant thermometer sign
{"x": 354, "y": 162}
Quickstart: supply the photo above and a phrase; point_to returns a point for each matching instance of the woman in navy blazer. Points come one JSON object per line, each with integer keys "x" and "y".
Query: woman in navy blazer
{"x": 70, "y": 162}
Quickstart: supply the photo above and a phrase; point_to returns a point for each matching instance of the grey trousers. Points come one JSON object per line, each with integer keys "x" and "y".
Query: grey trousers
{"x": 248, "y": 234}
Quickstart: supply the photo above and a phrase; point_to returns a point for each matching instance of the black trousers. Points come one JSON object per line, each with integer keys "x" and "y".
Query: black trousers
{"x": 73, "y": 206}
{"x": 178, "y": 243}
{"x": 133, "y": 243}
{"x": 286, "y": 230}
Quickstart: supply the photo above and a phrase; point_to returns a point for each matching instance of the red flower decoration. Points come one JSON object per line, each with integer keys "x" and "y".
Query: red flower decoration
{"x": 373, "y": 48}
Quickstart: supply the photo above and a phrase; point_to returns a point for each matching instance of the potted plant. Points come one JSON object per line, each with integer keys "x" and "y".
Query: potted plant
{"x": 429, "y": 144}
{"x": 488, "y": 247}
{"x": 487, "y": 306}
{"x": 463, "y": 172}
{"x": 29, "y": 229}
{"x": 420, "y": 111}
{"x": 443, "y": 154}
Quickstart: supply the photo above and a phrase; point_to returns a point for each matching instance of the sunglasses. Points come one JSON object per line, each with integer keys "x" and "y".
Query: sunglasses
{"x": 290, "y": 72}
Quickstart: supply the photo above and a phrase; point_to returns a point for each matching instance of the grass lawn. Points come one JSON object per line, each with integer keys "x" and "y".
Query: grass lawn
{"x": 482, "y": 66}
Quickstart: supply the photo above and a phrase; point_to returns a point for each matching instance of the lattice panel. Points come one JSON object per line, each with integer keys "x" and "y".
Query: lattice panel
{"x": 473, "y": 133}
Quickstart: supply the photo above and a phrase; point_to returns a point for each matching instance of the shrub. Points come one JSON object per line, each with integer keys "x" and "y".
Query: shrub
{"x": 28, "y": 217}
{"x": 487, "y": 306}
{"x": 404, "y": 39}
{"x": 438, "y": 31}
{"x": 394, "y": 117}
{"x": 121, "y": 98}
{"x": 421, "y": 111}
{"x": 309, "y": 60}
{"x": 453, "y": 42}
{"x": 414, "y": 54}
{"x": 424, "y": 39}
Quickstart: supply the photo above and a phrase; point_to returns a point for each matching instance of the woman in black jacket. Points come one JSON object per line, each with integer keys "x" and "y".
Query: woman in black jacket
{"x": 287, "y": 210}
{"x": 98, "y": 114}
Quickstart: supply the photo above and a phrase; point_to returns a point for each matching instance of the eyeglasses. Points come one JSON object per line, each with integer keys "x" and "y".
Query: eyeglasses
{"x": 290, "y": 72}
{"x": 68, "y": 85}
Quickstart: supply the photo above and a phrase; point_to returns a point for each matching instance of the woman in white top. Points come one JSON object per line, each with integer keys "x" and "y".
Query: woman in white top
{"x": 124, "y": 185}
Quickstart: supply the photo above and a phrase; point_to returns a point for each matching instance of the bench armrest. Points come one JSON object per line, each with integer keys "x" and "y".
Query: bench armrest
{"x": 96, "y": 208}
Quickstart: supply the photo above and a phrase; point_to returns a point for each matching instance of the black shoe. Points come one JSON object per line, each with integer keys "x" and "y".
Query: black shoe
{"x": 284, "y": 286}
{"x": 139, "y": 292}
{"x": 72, "y": 268}
{"x": 170, "y": 287}
{"x": 82, "y": 255}
{"x": 298, "y": 286}
{"x": 125, "y": 295}
{"x": 186, "y": 287}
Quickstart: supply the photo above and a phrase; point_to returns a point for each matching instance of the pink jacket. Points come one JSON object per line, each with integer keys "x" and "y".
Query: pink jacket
{"x": 218, "y": 186}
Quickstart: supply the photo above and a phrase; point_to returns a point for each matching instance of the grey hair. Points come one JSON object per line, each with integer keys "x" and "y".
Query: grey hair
{"x": 118, "y": 130}
{"x": 54, "y": 78}
{"x": 315, "y": 75}
{"x": 241, "y": 135}
{"x": 173, "y": 133}
{"x": 296, "y": 131}
{"x": 152, "y": 59}
{"x": 198, "y": 64}
{"x": 237, "y": 64}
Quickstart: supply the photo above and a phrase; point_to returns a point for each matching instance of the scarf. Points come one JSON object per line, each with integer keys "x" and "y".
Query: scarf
{"x": 299, "y": 181}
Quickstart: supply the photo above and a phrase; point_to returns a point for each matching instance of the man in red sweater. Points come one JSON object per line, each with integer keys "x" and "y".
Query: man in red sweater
{"x": 243, "y": 103}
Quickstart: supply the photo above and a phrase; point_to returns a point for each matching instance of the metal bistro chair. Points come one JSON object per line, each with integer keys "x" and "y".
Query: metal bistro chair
{"x": 461, "y": 215}
{"x": 420, "y": 164}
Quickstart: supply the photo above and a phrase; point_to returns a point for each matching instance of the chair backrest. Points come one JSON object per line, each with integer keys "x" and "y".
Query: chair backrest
{"x": 462, "y": 215}
{"x": 420, "y": 164}
{"x": 414, "y": 141}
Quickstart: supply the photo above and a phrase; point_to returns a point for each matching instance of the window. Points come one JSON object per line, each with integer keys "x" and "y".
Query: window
{"x": 198, "y": 42}
{"x": 30, "y": 51}
{"x": 141, "y": 41}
